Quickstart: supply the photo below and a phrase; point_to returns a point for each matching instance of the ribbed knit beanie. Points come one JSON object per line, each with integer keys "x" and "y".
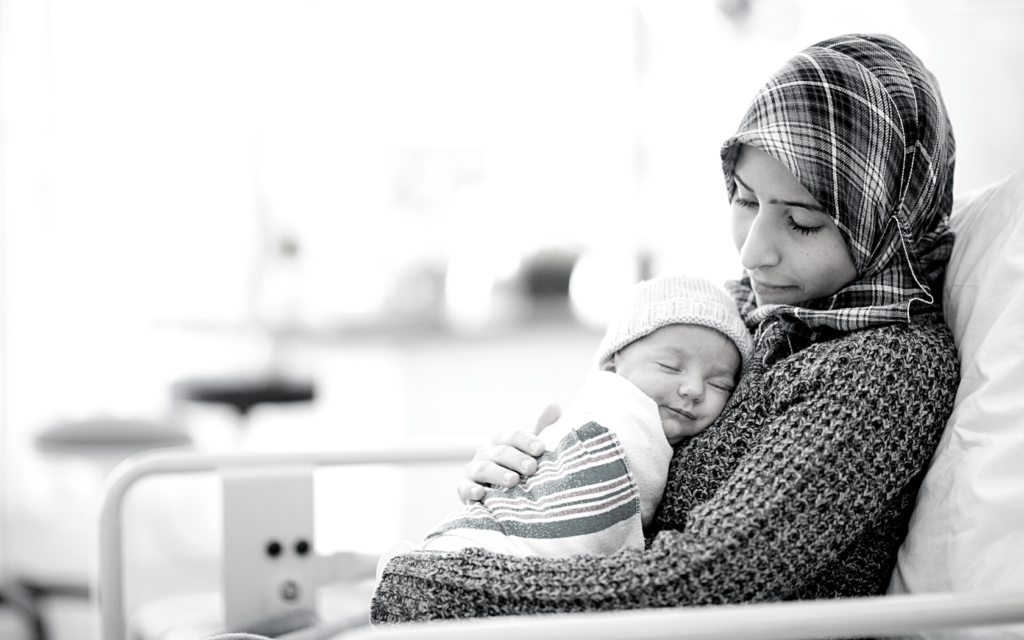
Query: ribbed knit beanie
{"x": 666, "y": 300}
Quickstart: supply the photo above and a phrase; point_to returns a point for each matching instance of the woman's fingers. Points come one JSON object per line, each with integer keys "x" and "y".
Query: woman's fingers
{"x": 469, "y": 490}
{"x": 480, "y": 474}
{"x": 547, "y": 417}
{"x": 500, "y": 464}
{"x": 522, "y": 441}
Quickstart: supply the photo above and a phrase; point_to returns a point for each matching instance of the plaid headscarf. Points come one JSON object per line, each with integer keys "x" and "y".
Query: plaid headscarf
{"x": 861, "y": 124}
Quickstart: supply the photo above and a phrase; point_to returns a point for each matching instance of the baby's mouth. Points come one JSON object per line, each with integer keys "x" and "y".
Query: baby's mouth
{"x": 682, "y": 412}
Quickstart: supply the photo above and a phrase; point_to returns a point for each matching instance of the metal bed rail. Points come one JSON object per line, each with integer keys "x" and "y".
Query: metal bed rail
{"x": 850, "y": 618}
{"x": 109, "y": 571}
{"x": 875, "y": 617}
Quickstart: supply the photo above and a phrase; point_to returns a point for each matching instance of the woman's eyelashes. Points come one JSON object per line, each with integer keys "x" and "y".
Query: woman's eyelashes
{"x": 751, "y": 203}
{"x": 799, "y": 228}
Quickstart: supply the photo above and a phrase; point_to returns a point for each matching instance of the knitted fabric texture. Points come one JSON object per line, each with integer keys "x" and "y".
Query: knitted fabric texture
{"x": 666, "y": 300}
{"x": 802, "y": 489}
{"x": 860, "y": 122}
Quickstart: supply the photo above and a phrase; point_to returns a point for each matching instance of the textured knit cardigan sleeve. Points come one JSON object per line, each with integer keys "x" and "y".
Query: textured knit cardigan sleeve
{"x": 801, "y": 489}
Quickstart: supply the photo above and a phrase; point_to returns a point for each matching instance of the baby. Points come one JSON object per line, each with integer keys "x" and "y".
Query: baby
{"x": 665, "y": 370}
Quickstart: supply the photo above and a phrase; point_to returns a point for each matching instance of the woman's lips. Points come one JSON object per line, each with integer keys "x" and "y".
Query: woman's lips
{"x": 764, "y": 288}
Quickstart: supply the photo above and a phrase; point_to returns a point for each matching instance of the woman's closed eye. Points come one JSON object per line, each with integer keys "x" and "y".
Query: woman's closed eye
{"x": 800, "y": 228}
{"x": 744, "y": 202}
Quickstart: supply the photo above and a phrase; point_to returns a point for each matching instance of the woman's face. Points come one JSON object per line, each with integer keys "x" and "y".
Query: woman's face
{"x": 790, "y": 248}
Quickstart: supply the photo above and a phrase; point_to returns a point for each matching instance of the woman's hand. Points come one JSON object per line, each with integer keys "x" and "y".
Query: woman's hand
{"x": 510, "y": 454}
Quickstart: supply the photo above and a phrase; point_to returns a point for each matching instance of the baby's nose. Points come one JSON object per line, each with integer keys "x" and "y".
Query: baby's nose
{"x": 691, "y": 388}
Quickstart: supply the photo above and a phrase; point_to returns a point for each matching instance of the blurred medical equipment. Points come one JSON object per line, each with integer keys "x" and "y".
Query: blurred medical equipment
{"x": 16, "y": 596}
{"x": 99, "y": 437}
{"x": 271, "y": 302}
{"x": 242, "y": 393}
{"x": 109, "y": 435}
{"x": 269, "y": 562}
{"x": 28, "y": 597}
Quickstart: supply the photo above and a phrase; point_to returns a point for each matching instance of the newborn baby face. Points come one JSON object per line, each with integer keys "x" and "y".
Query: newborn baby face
{"x": 689, "y": 370}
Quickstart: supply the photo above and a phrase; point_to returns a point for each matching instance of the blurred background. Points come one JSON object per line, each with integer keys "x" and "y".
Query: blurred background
{"x": 273, "y": 225}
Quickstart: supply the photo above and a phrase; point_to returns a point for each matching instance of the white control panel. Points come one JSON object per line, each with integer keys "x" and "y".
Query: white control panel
{"x": 269, "y": 560}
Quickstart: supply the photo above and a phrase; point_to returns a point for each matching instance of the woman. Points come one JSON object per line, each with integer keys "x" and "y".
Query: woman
{"x": 840, "y": 182}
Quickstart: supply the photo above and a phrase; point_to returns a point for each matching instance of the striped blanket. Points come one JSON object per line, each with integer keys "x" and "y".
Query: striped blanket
{"x": 595, "y": 488}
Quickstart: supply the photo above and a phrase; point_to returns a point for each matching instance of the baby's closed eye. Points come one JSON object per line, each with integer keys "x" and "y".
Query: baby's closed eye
{"x": 724, "y": 385}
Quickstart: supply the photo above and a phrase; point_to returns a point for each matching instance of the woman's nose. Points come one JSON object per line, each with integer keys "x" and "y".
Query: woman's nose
{"x": 760, "y": 247}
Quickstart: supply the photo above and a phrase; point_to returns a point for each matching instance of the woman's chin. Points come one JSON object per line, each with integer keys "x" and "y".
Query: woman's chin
{"x": 788, "y": 295}
{"x": 765, "y": 300}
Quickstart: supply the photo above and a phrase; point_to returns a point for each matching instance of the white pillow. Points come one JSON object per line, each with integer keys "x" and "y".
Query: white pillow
{"x": 967, "y": 530}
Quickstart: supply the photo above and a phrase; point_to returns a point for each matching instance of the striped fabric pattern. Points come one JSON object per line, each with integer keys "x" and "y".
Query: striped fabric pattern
{"x": 860, "y": 122}
{"x": 582, "y": 487}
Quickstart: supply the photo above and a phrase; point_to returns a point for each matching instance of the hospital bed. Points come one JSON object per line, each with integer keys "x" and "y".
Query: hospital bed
{"x": 853, "y": 618}
{"x": 960, "y": 572}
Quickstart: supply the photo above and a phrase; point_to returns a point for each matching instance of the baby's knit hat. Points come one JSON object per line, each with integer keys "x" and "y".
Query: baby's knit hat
{"x": 666, "y": 300}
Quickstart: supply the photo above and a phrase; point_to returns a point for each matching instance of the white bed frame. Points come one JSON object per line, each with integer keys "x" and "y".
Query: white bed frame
{"x": 875, "y": 617}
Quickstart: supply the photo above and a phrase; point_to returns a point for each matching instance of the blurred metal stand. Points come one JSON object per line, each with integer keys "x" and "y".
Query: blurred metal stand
{"x": 101, "y": 437}
{"x": 271, "y": 301}
{"x": 24, "y": 597}
{"x": 242, "y": 393}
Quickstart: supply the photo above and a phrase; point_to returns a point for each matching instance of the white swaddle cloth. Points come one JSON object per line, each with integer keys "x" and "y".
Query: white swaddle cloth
{"x": 596, "y": 487}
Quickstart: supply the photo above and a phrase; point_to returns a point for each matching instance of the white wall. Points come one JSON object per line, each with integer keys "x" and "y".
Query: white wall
{"x": 144, "y": 139}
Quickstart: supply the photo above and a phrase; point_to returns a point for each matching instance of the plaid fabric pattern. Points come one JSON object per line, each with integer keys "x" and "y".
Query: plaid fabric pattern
{"x": 861, "y": 123}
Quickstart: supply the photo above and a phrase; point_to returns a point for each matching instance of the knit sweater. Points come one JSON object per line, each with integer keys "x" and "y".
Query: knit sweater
{"x": 802, "y": 489}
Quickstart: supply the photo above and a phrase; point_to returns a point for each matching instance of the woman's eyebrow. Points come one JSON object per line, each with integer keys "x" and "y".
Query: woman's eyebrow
{"x": 742, "y": 184}
{"x": 810, "y": 206}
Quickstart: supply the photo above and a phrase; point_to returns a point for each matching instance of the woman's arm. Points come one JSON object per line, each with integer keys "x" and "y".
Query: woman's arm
{"x": 798, "y": 474}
